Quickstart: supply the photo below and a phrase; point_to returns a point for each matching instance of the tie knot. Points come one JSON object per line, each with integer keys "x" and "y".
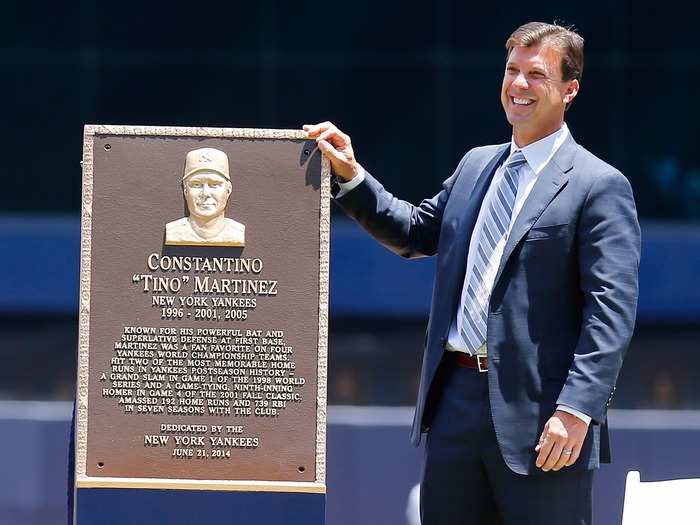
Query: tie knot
{"x": 516, "y": 160}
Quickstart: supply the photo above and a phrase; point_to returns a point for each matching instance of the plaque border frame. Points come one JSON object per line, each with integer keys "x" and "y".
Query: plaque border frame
{"x": 82, "y": 480}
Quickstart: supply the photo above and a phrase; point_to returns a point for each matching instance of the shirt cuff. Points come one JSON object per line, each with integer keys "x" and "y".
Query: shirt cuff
{"x": 583, "y": 417}
{"x": 350, "y": 185}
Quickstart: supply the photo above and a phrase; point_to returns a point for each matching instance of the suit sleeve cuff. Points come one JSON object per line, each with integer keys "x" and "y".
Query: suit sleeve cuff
{"x": 583, "y": 417}
{"x": 350, "y": 185}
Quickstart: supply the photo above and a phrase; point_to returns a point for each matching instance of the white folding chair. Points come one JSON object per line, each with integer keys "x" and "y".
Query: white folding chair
{"x": 413, "y": 506}
{"x": 675, "y": 502}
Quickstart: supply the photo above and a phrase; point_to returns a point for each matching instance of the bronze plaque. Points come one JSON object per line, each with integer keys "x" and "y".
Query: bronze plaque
{"x": 203, "y": 309}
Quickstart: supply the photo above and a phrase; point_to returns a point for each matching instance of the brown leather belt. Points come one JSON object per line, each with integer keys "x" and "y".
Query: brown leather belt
{"x": 480, "y": 363}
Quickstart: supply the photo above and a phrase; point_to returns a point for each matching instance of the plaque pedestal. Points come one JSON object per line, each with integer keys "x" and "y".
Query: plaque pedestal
{"x": 193, "y": 507}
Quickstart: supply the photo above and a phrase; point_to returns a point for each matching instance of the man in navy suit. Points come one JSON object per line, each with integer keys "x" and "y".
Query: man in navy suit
{"x": 533, "y": 305}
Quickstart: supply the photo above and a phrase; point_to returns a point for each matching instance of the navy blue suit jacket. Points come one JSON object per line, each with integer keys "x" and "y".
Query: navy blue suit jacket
{"x": 563, "y": 306}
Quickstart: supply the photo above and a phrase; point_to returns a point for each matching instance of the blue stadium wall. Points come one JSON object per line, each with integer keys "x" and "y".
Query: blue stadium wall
{"x": 40, "y": 269}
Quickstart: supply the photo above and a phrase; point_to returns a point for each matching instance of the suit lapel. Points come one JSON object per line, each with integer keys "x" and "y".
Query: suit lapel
{"x": 549, "y": 182}
{"x": 467, "y": 202}
{"x": 474, "y": 194}
{"x": 486, "y": 169}
{"x": 467, "y": 199}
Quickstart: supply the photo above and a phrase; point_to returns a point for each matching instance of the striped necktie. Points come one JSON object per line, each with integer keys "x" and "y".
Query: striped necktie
{"x": 476, "y": 293}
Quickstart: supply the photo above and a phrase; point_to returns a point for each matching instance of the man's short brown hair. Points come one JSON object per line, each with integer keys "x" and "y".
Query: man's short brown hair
{"x": 564, "y": 39}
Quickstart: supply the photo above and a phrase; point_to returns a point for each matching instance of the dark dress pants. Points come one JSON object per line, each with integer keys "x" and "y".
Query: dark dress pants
{"x": 465, "y": 480}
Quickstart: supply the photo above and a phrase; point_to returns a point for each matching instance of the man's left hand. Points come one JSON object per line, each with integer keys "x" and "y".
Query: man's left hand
{"x": 561, "y": 441}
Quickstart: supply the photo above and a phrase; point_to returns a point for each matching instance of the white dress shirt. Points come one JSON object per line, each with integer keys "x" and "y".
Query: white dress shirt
{"x": 538, "y": 154}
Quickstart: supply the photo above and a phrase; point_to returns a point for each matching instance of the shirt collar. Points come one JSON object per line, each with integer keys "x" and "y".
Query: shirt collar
{"x": 539, "y": 153}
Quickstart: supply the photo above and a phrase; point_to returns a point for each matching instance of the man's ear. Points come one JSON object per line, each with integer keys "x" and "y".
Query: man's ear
{"x": 571, "y": 91}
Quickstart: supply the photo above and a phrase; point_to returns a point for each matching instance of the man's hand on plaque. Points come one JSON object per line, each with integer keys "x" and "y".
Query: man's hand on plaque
{"x": 561, "y": 440}
{"x": 337, "y": 146}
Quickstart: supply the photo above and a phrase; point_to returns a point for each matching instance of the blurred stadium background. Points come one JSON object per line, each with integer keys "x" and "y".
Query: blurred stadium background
{"x": 415, "y": 84}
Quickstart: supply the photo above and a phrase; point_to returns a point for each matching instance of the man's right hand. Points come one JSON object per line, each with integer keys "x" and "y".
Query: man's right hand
{"x": 335, "y": 145}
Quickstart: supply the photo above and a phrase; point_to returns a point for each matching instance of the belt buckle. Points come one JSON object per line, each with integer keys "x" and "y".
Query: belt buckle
{"x": 482, "y": 363}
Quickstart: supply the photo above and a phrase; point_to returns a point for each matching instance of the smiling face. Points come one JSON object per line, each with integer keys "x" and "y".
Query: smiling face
{"x": 206, "y": 193}
{"x": 533, "y": 93}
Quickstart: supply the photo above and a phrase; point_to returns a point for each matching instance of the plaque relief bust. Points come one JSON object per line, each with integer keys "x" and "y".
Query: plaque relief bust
{"x": 206, "y": 185}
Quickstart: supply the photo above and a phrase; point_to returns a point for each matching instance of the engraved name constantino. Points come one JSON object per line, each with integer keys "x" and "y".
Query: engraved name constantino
{"x": 167, "y": 263}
